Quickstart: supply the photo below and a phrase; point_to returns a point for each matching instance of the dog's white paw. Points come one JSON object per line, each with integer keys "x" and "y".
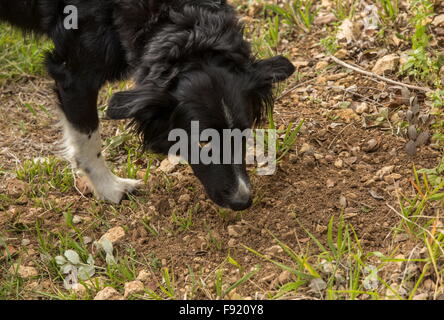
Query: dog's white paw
{"x": 116, "y": 189}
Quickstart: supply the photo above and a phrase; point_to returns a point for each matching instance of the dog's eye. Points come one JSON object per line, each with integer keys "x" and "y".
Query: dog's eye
{"x": 204, "y": 144}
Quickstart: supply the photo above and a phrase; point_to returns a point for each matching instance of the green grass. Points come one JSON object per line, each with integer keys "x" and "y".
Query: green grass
{"x": 344, "y": 270}
{"x": 421, "y": 220}
{"x": 184, "y": 221}
{"x": 285, "y": 138}
{"x": 335, "y": 267}
{"x": 265, "y": 44}
{"x": 437, "y": 98}
{"x": 390, "y": 9}
{"x": 344, "y": 9}
{"x": 330, "y": 44}
{"x": 422, "y": 65}
{"x": 49, "y": 174}
{"x": 20, "y": 55}
{"x": 296, "y": 13}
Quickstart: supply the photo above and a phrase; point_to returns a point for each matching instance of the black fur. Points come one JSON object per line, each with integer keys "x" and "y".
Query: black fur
{"x": 187, "y": 57}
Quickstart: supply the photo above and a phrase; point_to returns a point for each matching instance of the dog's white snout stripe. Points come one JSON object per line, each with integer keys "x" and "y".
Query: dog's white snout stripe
{"x": 243, "y": 190}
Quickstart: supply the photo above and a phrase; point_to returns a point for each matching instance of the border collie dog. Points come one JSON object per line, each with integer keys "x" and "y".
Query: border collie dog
{"x": 190, "y": 62}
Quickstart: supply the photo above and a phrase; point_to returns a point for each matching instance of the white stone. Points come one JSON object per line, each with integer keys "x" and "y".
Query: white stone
{"x": 133, "y": 287}
{"x": 114, "y": 235}
{"x": 388, "y": 63}
{"x": 23, "y": 271}
{"x": 108, "y": 293}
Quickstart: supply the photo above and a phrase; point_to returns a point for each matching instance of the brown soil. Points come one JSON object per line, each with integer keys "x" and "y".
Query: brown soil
{"x": 305, "y": 192}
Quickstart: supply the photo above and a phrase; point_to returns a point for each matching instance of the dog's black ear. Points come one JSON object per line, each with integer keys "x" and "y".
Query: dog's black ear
{"x": 274, "y": 69}
{"x": 124, "y": 105}
{"x": 265, "y": 73}
{"x": 127, "y": 104}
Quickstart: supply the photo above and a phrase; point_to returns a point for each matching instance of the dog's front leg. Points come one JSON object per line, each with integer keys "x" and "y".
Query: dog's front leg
{"x": 82, "y": 141}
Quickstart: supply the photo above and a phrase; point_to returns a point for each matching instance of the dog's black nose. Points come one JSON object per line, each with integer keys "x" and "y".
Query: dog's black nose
{"x": 241, "y": 200}
{"x": 241, "y": 204}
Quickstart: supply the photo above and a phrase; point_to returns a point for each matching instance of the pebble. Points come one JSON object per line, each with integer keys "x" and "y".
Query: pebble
{"x": 76, "y": 220}
{"x": 307, "y": 149}
{"x": 318, "y": 284}
{"x": 184, "y": 199}
{"x": 362, "y": 108}
{"x": 15, "y": 187}
{"x": 232, "y": 243}
{"x": 388, "y": 63}
{"x": 268, "y": 278}
{"x": 341, "y": 54}
{"x": 438, "y": 20}
{"x": 133, "y": 287}
{"x": 108, "y": 293}
{"x": 321, "y": 80}
{"x": 329, "y": 158}
{"x": 293, "y": 158}
{"x": 166, "y": 166}
{"x": 144, "y": 276}
{"x": 429, "y": 284}
{"x": 384, "y": 171}
{"x": 348, "y": 115}
{"x": 115, "y": 234}
{"x": 234, "y": 231}
{"x": 351, "y": 160}
{"x": 392, "y": 177}
{"x": 339, "y": 163}
{"x": 318, "y": 156}
{"x": 352, "y": 195}
{"x": 343, "y": 201}
{"x": 284, "y": 277}
{"x": 325, "y": 18}
{"x": 274, "y": 250}
{"x": 390, "y": 295}
{"x": 23, "y": 271}
{"x": 308, "y": 160}
{"x": 87, "y": 240}
{"x": 321, "y": 65}
{"x": 79, "y": 289}
{"x": 371, "y": 146}
{"x": 421, "y": 296}
{"x": 401, "y": 238}
{"x": 330, "y": 183}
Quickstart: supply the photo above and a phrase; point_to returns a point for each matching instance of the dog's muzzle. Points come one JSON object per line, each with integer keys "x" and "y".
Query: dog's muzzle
{"x": 242, "y": 199}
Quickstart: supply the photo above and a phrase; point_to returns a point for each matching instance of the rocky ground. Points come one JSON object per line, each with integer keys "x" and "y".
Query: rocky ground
{"x": 344, "y": 217}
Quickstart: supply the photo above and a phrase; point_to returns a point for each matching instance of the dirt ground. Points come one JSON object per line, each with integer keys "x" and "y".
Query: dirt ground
{"x": 344, "y": 162}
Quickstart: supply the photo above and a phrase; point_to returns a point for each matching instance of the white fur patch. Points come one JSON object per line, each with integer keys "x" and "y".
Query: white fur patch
{"x": 242, "y": 188}
{"x": 84, "y": 152}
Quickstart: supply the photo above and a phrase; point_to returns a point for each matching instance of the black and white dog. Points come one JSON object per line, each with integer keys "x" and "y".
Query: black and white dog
{"x": 190, "y": 62}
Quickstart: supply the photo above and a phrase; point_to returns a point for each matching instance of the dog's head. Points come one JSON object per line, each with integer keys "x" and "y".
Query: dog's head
{"x": 198, "y": 68}
{"x": 215, "y": 97}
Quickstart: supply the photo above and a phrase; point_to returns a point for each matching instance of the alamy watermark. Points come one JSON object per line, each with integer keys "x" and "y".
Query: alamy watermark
{"x": 71, "y": 21}
{"x": 231, "y": 146}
